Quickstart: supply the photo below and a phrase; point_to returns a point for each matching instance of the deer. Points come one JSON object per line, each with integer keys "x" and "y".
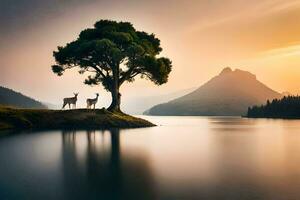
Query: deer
{"x": 91, "y": 102}
{"x": 70, "y": 101}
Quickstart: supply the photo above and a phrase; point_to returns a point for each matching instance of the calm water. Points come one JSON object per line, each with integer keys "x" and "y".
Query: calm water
{"x": 184, "y": 158}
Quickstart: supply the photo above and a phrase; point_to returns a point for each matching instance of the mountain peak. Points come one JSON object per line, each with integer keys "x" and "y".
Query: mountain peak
{"x": 238, "y": 73}
{"x": 226, "y": 70}
{"x": 229, "y": 93}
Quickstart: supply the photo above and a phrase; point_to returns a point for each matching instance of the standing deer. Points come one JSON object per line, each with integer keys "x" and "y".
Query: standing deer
{"x": 91, "y": 102}
{"x": 70, "y": 101}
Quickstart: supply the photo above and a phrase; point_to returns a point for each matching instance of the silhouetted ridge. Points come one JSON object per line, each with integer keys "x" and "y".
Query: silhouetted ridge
{"x": 229, "y": 93}
{"x": 226, "y": 70}
{"x": 9, "y": 97}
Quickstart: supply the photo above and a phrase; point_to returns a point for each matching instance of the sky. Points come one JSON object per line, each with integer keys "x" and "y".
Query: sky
{"x": 201, "y": 37}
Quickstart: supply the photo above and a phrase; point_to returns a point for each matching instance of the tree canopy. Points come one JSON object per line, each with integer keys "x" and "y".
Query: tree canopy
{"x": 115, "y": 52}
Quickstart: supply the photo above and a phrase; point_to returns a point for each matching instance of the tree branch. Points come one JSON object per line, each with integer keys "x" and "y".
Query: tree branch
{"x": 126, "y": 75}
{"x": 99, "y": 71}
{"x": 133, "y": 75}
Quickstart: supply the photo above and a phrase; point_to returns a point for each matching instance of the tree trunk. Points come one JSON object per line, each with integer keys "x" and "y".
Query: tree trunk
{"x": 115, "y": 94}
{"x": 116, "y": 101}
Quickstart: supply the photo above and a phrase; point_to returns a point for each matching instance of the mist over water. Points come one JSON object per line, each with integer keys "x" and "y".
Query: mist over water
{"x": 181, "y": 158}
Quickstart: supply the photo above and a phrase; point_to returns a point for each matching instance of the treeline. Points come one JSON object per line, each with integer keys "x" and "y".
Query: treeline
{"x": 287, "y": 107}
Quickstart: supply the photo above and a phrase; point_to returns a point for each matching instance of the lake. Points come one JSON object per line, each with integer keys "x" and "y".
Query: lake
{"x": 183, "y": 158}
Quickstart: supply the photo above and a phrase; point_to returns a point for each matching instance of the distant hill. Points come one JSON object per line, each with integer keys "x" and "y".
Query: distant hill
{"x": 9, "y": 97}
{"x": 137, "y": 105}
{"x": 228, "y": 94}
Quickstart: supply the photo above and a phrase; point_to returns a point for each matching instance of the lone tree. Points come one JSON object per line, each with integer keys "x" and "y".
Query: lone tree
{"x": 114, "y": 52}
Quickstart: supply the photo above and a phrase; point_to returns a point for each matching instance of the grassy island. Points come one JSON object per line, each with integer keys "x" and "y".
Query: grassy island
{"x": 13, "y": 118}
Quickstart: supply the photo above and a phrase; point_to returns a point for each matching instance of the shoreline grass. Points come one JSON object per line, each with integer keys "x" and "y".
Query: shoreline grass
{"x": 15, "y": 118}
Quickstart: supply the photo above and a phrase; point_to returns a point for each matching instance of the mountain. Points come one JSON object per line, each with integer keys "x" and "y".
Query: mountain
{"x": 137, "y": 105}
{"x": 9, "y": 97}
{"x": 228, "y": 94}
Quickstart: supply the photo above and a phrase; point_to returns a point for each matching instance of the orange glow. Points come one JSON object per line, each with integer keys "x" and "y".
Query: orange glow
{"x": 200, "y": 37}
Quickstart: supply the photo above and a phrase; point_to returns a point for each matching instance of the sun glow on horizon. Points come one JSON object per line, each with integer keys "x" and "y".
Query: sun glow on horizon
{"x": 200, "y": 37}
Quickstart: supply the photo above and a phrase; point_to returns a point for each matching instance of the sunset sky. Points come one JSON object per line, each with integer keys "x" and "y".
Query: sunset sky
{"x": 201, "y": 37}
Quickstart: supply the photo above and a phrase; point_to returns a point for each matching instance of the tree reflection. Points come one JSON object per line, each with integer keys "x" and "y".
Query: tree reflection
{"x": 101, "y": 169}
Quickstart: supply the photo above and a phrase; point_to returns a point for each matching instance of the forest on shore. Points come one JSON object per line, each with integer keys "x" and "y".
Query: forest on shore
{"x": 288, "y": 107}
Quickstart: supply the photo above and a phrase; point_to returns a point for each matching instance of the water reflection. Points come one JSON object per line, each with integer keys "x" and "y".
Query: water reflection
{"x": 102, "y": 170}
{"x": 251, "y": 158}
{"x": 185, "y": 158}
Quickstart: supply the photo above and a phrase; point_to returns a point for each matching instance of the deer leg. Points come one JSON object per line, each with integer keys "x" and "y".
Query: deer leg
{"x": 94, "y": 106}
{"x": 69, "y": 106}
{"x": 64, "y": 105}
